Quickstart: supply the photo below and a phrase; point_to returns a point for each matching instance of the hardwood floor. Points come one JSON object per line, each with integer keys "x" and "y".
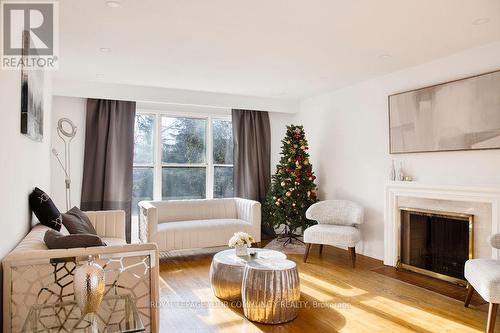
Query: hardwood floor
{"x": 336, "y": 298}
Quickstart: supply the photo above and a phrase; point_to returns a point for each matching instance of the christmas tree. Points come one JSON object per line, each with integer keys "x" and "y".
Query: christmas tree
{"x": 292, "y": 188}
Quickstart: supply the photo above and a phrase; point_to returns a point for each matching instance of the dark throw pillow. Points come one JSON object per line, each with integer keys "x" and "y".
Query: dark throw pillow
{"x": 77, "y": 222}
{"x": 55, "y": 240}
{"x": 45, "y": 210}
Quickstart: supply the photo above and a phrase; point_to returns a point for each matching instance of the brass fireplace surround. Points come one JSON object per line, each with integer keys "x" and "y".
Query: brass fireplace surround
{"x": 435, "y": 213}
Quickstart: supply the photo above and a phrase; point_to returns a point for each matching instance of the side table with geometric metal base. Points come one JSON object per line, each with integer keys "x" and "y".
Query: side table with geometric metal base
{"x": 117, "y": 314}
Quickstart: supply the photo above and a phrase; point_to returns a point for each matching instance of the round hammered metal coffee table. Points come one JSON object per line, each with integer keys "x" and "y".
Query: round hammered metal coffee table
{"x": 270, "y": 291}
{"x": 226, "y": 271}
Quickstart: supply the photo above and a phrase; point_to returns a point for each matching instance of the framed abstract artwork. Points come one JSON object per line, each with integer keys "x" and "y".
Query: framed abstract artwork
{"x": 32, "y": 95}
{"x": 457, "y": 115}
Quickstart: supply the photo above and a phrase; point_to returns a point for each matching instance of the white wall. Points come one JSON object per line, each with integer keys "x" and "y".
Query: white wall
{"x": 348, "y": 135}
{"x": 278, "y": 121}
{"x": 74, "y": 109}
{"x": 25, "y": 163}
{"x": 172, "y": 96}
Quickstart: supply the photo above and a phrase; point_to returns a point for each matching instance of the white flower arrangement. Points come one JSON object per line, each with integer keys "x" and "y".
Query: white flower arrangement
{"x": 241, "y": 238}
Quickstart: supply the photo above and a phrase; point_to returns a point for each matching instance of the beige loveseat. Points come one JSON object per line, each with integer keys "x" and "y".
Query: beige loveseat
{"x": 190, "y": 224}
{"x": 34, "y": 274}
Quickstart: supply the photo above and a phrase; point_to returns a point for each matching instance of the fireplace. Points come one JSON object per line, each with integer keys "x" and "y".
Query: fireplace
{"x": 435, "y": 243}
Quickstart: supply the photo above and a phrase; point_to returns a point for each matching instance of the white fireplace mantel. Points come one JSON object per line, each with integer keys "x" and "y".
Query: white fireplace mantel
{"x": 393, "y": 190}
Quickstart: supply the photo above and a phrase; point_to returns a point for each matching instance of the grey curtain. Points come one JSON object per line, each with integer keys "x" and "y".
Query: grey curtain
{"x": 109, "y": 155}
{"x": 252, "y": 155}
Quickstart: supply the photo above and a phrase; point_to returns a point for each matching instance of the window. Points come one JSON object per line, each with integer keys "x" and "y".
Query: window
{"x": 143, "y": 172}
{"x": 223, "y": 158}
{"x": 182, "y": 157}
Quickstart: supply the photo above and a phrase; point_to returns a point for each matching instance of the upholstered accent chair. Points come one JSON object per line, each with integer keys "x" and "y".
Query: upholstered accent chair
{"x": 483, "y": 276}
{"x": 338, "y": 222}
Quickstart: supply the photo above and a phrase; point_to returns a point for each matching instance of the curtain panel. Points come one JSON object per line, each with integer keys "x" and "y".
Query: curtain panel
{"x": 108, "y": 157}
{"x": 252, "y": 155}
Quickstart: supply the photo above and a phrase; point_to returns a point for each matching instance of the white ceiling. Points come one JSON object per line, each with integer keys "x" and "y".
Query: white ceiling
{"x": 270, "y": 48}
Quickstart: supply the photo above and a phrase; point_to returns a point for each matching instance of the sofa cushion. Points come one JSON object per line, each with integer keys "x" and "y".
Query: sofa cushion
{"x": 329, "y": 234}
{"x": 198, "y": 233}
{"x": 33, "y": 240}
{"x": 55, "y": 240}
{"x": 44, "y": 209}
{"x": 77, "y": 222}
{"x": 199, "y": 209}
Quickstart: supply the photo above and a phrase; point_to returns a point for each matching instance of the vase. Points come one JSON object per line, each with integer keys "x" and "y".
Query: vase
{"x": 89, "y": 286}
{"x": 392, "y": 174}
{"x": 400, "y": 176}
{"x": 241, "y": 250}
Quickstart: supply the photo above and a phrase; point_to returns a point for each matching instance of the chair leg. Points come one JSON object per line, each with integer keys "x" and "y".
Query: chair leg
{"x": 492, "y": 316}
{"x": 320, "y": 248}
{"x": 308, "y": 247}
{"x": 470, "y": 291}
{"x": 352, "y": 254}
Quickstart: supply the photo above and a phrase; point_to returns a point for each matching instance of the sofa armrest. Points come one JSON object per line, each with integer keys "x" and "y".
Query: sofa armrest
{"x": 250, "y": 211}
{"x": 16, "y": 257}
{"x": 148, "y": 221}
{"x": 108, "y": 223}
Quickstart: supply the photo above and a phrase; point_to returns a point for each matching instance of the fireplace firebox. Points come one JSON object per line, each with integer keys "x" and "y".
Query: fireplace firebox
{"x": 435, "y": 243}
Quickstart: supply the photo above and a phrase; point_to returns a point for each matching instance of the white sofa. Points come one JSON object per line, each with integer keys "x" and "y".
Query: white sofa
{"x": 190, "y": 224}
{"x": 34, "y": 274}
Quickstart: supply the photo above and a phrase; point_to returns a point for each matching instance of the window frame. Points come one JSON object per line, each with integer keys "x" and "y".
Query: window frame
{"x": 147, "y": 165}
{"x": 158, "y": 164}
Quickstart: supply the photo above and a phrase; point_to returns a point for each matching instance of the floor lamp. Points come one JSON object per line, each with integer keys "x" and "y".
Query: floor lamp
{"x": 66, "y": 136}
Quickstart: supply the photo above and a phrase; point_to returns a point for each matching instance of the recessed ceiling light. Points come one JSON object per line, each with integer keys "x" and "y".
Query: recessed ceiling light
{"x": 385, "y": 56}
{"x": 105, "y": 49}
{"x": 479, "y": 21}
{"x": 113, "y": 3}
{"x": 100, "y": 76}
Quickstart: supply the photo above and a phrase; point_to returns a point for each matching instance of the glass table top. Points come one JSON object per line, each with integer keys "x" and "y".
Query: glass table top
{"x": 117, "y": 313}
